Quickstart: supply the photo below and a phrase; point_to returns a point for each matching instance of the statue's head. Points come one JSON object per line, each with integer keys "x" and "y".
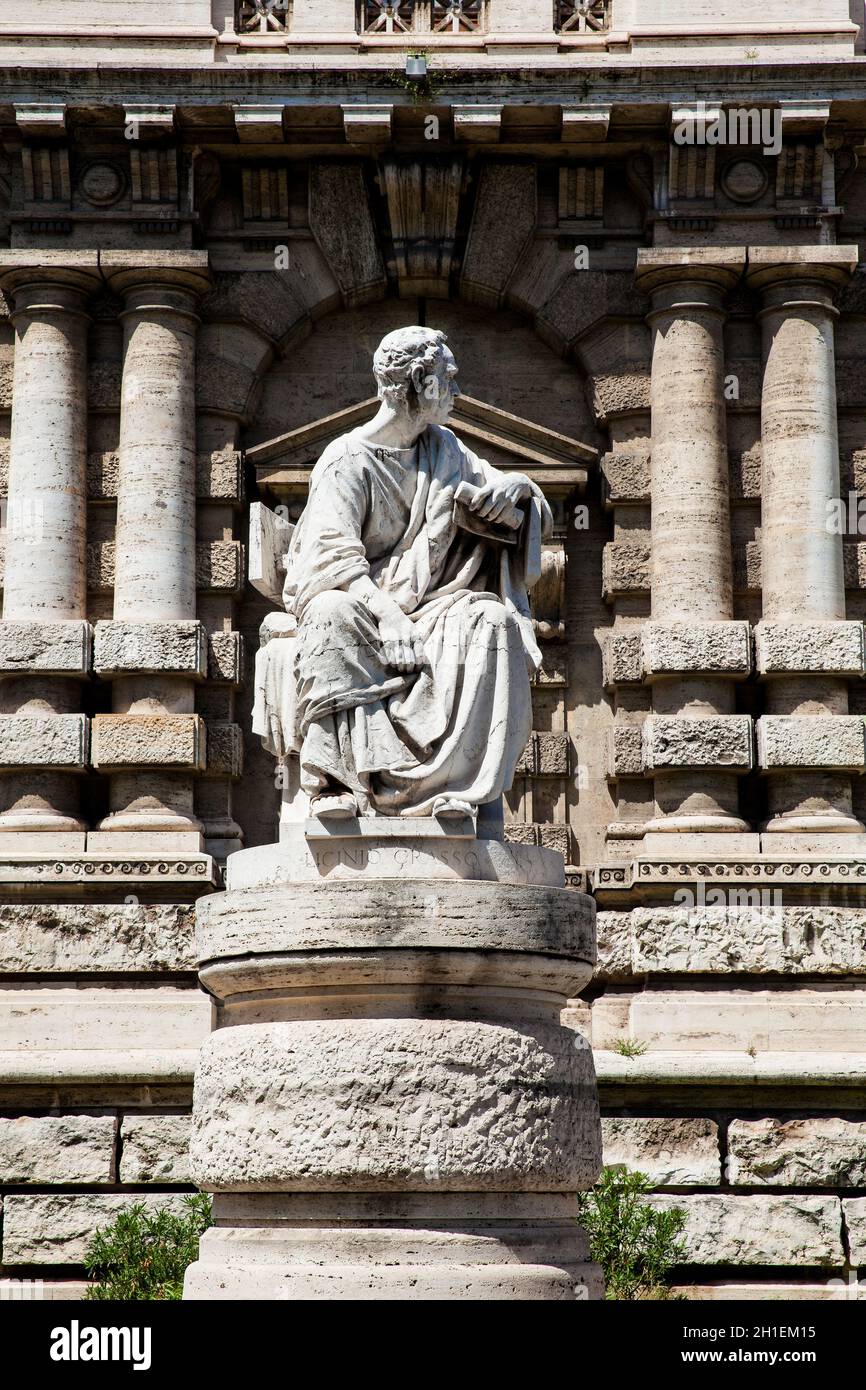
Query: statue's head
{"x": 415, "y": 373}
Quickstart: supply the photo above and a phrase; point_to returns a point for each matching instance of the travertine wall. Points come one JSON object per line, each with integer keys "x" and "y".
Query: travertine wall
{"x": 669, "y": 338}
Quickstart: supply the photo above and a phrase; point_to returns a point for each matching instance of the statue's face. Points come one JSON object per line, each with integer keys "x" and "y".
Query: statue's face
{"x": 438, "y": 390}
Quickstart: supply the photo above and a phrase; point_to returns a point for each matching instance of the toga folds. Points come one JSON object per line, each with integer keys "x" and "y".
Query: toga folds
{"x": 456, "y": 727}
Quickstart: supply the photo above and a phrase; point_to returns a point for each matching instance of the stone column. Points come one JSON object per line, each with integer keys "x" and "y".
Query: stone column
{"x": 153, "y": 649}
{"x": 44, "y": 638}
{"x": 806, "y": 651}
{"x": 389, "y": 1106}
{"x": 693, "y": 743}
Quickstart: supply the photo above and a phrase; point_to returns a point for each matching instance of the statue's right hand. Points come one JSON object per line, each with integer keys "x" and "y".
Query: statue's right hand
{"x": 402, "y": 648}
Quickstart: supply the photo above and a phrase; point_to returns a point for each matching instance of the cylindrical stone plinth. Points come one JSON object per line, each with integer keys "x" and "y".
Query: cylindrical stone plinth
{"x": 389, "y": 1106}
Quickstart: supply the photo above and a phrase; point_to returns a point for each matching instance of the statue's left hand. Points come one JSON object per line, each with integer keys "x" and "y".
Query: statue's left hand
{"x": 493, "y": 499}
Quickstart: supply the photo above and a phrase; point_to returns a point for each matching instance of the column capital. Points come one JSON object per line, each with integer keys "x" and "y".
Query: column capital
{"x": 660, "y": 267}
{"x": 830, "y": 266}
{"x": 75, "y": 270}
{"x": 176, "y": 270}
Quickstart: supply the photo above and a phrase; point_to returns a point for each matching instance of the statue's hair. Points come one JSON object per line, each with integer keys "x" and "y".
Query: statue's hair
{"x": 397, "y": 356}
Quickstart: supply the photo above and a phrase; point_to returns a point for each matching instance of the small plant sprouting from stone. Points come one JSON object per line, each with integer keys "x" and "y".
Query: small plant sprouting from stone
{"x": 636, "y": 1244}
{"x": 144, "y": 1254}
{"x": 421, "y": 89}
{"x": 629, "y": 1047}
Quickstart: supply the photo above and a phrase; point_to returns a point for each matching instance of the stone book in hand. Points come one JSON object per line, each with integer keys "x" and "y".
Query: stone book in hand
{"x": 505, "y": 530}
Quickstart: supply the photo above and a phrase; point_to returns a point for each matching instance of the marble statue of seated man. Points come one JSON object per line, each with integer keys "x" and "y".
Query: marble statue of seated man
{"x": 407, "y": 689}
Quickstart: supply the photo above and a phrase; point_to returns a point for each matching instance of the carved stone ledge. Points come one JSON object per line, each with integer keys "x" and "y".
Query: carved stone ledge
{"x": 696, "y": 648}
{"x": 112, "y": 870}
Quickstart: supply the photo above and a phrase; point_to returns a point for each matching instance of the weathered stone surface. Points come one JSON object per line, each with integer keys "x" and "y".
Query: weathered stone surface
{"x": 363, "y": 1104}
{"x": 626, "y": 751}
{"x": 342, "y": 223}
{"x": 503, "y": 219}
{"x": 614, "y": 938}
{"x": 49, "y": 937}
{"x": 47, "y": 741}
{"x": 155, "y": 1148}
{"x": 218, "y": 566}
{"x": 627, "y": 477}
{"x": 620, "y": 393}
{"x": 162, "y": 740}
{"x": 545, "y": 755}
{"x": 625, "y": 568}
{"x": 225, "y": 749}
{"x": 819, "y": 1152}
{"x": 731, "y": 1230}
{"x": 150, "y": 648}
{"x": 854, "y": 1213}
{"x": 795, "y": 939}
{"x": 219, "y": 477}
{"x": 55, "y": 1229}
{"x": 787, "y": 741}
{"x": 90, "y": 1017}
{"x": 50, "y": 648}
{"x": 56, "y": 1149}
{"x": 671, "y": 648}
{"x": 833, "y": 648}
{"x": 225, "y": 657}
{"x": 723, "y": 741}
{"x": 672, "y": 1152}
{"x": 623, "y": 659}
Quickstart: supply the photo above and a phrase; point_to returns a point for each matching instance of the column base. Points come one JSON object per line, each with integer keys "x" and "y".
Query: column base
{"x": 830, "y": 822}
{"x": 696, "y": 825}
{"x": 478, "y": 1246}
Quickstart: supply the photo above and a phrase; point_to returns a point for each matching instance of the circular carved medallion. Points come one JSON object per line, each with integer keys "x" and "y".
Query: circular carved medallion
{"x": 102, "y": 183}
{"x": 744, "y": 180}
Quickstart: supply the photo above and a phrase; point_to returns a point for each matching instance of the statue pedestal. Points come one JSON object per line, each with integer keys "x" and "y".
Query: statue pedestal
{"x": 389, "y": 1106}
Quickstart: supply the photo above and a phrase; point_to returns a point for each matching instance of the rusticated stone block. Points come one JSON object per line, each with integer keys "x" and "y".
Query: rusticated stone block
{"x": 155, "y": 1148}
{"x": 745, "y": 475}
{"x": 625, "y": 569}
{"x": 751, "y": 935}
{"x": 804, "y": 740}
{"x": 155, "y": 648}
{"x": 671, "y": 1152}
{"x": 620, "y": 393}
{"x": 47, "y": 741}
{"x": 732, "y": 1230}
{"x": 626, "y": 758}
{"x": 55, "y": 1229}
{"x": 103, "y": 475}
{"x": 714, "y": 648}
{"x": 545, "y": 755}
{"x": 225, "y": 657}
{"x": 104, "y": 377}
{"x": 747, "y": 567}
{"x": 142, "y": 740}
{"x": 832, "y": 648}
{"x": 48, "y": 648}
{"x": 614, "y": 934}
{"x": 723, "y": 741}
{"x": 128, "y": 937}
{"x": 627, "y": 477}
{"x": 622, "y": 659}
{"x": 219, "y": 477}
{"x": 854, "y": 1212}
{"x": 56, "y": 1149}
{"x": 225, "y": 750}
{"x": 821, "y": 1152}
{"x": 219, "y": 567}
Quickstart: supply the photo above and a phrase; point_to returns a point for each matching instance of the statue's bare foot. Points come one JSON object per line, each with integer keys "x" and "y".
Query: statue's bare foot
{"x": 334, "y": 806}
{"x": 452, "y": 808}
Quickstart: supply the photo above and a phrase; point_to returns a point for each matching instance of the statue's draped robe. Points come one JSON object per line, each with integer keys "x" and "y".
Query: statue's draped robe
{"x": 455, "y": 727}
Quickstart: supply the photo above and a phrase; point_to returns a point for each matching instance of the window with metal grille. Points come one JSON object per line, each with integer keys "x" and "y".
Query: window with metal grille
{"x": 583, "y": 16}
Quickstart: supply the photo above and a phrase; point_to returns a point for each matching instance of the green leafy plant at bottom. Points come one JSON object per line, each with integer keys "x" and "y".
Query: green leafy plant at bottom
{"x": 635, "y": 1244}
{"x": 144, "y": 1254}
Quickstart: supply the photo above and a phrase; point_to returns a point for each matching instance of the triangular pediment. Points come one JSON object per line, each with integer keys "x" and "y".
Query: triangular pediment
{"x": 552, "y": 459}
